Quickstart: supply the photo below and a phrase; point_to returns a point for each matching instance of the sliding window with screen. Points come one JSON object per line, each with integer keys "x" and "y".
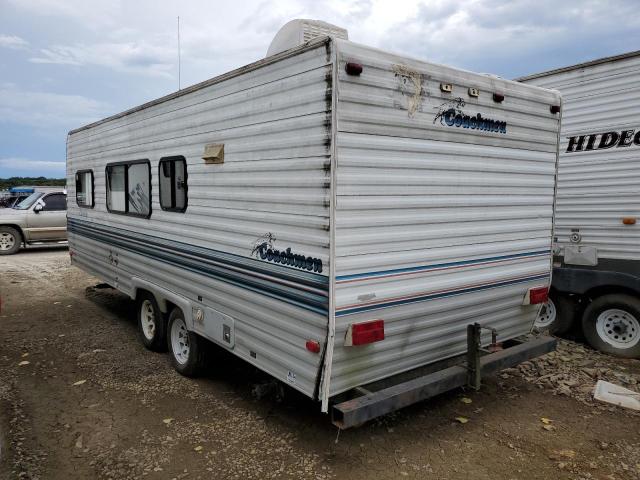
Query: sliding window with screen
{"x": 129, "y": 188}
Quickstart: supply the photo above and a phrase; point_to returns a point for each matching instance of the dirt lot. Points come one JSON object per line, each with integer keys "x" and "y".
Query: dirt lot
{"x": 92, "y": 403}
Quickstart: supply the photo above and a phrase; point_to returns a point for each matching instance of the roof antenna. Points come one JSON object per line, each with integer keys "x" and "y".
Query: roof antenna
{"x": 178, "y": 52}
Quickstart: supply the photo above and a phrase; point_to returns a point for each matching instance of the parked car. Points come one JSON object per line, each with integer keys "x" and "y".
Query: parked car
{"x": 39, "y": 218}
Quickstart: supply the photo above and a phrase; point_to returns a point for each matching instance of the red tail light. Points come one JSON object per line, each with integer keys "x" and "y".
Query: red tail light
{"x": 365, "y": 332}
{"x": 313, "y": 346}
{"x": 538, "y": 295}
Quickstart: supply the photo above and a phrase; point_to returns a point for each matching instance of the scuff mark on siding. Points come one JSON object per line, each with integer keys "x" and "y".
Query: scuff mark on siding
{"x": 410, "y": 85}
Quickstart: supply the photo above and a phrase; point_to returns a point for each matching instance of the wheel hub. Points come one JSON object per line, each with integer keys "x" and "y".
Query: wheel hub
{"x": 618, "y": 328}
{"x": 148, "y": 319}
{"x": 180, "y": 341}
{"x": 7, "y": 241}
{"x": 547, "y": 315}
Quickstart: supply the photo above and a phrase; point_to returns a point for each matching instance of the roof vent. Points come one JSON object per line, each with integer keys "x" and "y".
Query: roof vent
{"x": 299, "y": 31}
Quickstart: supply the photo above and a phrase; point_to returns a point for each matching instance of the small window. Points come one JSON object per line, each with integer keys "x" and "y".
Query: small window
{"x": 173, "y": 184}
{"x": 54, "y": 202}
{"x": 84, "y": 189}
{"x": 129, "y": 188}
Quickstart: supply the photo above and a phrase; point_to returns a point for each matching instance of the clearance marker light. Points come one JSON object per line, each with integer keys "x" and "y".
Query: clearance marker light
{"x": 313, "y": 346}
{"x": 353, "y": 68}
{"x": 364, "y": 333}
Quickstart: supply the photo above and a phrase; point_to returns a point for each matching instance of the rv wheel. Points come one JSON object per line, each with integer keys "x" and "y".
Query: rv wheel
{"x": 557, "y": 315}
{"x": 151, "y": 323}
{"x": 187, "y": 348}
{"x": 10, "y": 240}
{"x": 611, "y": 324}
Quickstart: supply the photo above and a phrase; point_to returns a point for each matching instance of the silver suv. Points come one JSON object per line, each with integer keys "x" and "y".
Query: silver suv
{"x": 41, "y": 217}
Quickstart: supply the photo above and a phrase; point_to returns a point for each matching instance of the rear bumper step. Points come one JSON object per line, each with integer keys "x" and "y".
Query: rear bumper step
{"x": 356, "y": 411}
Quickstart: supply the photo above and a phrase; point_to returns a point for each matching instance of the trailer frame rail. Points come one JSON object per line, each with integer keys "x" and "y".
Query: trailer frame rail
{"x": 372, "y": 404}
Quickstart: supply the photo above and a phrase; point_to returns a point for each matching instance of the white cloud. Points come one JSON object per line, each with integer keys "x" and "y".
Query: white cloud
{"x": 13, "y": 42}
{"x": 87, "y": 12}
{"x": 45, "y": 110}
{"x": 132, "y": 57}
{"x": 17, "y": 163}
{"x": 473, "y": 33}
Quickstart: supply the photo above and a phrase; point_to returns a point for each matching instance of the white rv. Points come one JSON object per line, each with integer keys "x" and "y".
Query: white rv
{"x": 333, "y": 214}
{"x": 597, "y": 236}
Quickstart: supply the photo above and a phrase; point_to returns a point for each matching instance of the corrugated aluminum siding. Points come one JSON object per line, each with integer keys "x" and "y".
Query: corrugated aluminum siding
{"x": 597, "y": 188}
{"x": 274, "y": 121}
{"x": 436, "y": 226}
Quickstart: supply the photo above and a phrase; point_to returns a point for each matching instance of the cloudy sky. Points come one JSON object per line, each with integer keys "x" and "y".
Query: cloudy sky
{"x": 65, "y": 63}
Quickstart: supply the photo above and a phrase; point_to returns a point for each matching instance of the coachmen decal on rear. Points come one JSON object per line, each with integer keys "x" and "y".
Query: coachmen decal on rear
{"x": 583, "y": 143}
{"x": 451, "y": 114}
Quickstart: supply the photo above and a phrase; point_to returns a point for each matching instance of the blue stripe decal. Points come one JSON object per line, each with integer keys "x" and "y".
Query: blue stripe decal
{"x": 424, "y": 298}
{"x": 300, "y": 288}
{"x": 441, "y": 265}
{"x": 304, "y": 289}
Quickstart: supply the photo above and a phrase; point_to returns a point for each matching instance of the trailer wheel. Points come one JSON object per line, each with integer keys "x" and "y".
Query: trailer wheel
{"x": 151, "y": 323}
{"x": 10, "y": 240}
{"x": 557, "y": 315}
{"x": 187, "y": 348}
{"x": 611, "y": 324}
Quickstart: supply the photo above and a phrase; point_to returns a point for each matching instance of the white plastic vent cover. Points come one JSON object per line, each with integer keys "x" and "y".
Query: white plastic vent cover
{"x": 298, "y": 31}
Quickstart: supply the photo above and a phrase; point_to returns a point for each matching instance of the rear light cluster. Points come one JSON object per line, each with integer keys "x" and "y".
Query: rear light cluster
{"x": 536, "y": 295}
{"x": 364, "y": 333}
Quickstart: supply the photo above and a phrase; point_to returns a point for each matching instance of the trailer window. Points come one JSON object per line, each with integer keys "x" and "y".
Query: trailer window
{"x": 84, "y": 188}
{"x": 129, "y": 188}
{"x": 173, "y": 184}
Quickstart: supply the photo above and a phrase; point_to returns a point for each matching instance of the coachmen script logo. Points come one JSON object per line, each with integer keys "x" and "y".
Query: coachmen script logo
{"x": 581, "y": 143}
{"x": 451, "y": 114}
{"x": 265, "y": 250}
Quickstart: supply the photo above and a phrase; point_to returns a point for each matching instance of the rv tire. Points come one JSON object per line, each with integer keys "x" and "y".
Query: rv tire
{"x": 560, "y": 314}
{"x": 151, "y": 323}
{"x": 186, "y": 348}
{"x": 611, "y": 324}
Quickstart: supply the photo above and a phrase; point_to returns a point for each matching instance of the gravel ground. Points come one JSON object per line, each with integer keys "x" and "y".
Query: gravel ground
{"x": 81, "y": 398}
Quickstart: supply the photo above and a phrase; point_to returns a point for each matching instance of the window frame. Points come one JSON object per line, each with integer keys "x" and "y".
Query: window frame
{"x": 173, "y": 158}
{"x": 127, "y": 163}
{"x": 93, "y": 188}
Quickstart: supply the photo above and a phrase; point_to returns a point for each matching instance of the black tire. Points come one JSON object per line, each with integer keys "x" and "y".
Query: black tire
{"x": 153, "y": 332}
{"x": 191, "y": 363}
{"x": 619, "y": 325}
{"x": 565, "y": 308}
{"x": 10, "y": 240}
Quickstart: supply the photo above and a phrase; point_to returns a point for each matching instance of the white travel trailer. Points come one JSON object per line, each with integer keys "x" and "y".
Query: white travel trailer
{"x": 333, "y": 214}
{"x": 597, "y": 238}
